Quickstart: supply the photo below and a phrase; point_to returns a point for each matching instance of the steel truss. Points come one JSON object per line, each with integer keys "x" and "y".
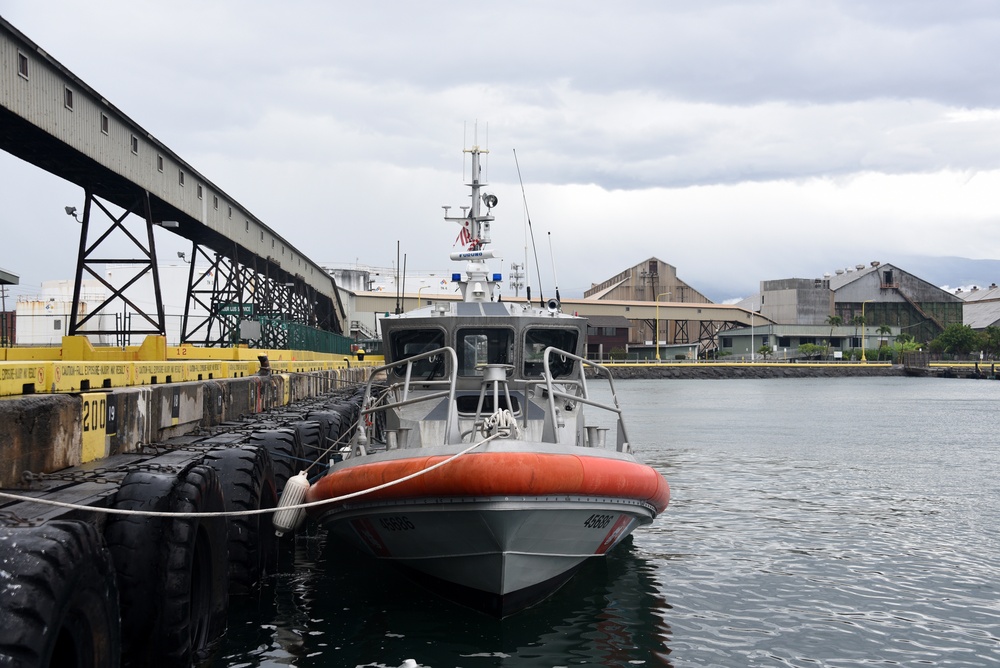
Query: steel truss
{"x": 88, "y": 258}
{"x": 231, "y": 302}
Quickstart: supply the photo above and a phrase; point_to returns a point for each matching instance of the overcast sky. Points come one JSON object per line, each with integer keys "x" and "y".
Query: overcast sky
{"x": 738, "y": 141}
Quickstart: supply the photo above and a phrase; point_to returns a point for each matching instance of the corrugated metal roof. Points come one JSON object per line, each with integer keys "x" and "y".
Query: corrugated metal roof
{"x": 840, "y": 280}
{"x": 607, "y": 321}
{"x": 982, "y": 294}
{"x": 600, "y": 295}
{"x": 980, "y": 315}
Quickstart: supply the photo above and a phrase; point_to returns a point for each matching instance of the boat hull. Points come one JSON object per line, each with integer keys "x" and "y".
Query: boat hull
{"x": 496, "y": 552}
{"x": 497, "y": 555}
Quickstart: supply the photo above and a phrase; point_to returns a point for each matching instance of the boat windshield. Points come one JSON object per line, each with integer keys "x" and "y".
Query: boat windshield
{"x": 535, "y": 343}
{"x": 407, "y": 343}
{"x": 483, "y": 345}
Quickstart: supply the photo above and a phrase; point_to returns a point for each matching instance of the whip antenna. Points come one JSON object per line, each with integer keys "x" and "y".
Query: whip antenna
{"x": 531, "y": 232}
{"x": 552, "y": 259}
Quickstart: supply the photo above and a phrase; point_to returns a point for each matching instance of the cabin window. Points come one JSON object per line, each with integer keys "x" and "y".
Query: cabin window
{"x": 159, "y": 163}
{"x": 134, "y": 144}
{"x": 414, "y": 342}
{"x": 105, "y": 124}
{"x": 68, "y": 98}
{"x": 483, "y": 346}
{"x": 22, "y": 65}
{"x": 535, "y": 343}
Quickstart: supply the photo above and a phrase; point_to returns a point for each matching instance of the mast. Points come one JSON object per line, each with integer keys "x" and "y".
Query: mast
{"x": 478, "y": 284}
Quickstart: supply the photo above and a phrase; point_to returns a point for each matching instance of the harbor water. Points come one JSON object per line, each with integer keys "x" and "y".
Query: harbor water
{"x": 814, "y": 522}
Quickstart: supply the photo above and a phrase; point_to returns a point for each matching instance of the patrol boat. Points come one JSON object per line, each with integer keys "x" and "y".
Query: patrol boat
{"x": 483, "y": 463}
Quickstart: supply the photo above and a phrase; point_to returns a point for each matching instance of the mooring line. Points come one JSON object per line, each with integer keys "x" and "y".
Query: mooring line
{"x": 243, "y": 513}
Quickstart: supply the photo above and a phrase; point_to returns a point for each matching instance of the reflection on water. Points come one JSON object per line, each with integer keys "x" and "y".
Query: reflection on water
{"x": 835, "y": 522}
{"x": 339, "y": 609}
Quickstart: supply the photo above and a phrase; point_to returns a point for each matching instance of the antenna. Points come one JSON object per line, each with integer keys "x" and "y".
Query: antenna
{"x": 397, "y": 278}
{"x": 534, "y": 249}
{"x": 553, "y": 261}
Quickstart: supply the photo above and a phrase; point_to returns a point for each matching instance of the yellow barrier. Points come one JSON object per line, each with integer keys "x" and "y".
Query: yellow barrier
{"x": 83, "y": 376}
{"x": 239, "y": 369}
{"x": 23, "y": 378}
{"x": 203, "y": 370}
{"x": 154, "y": 373}
{"x": 77, "y": 366}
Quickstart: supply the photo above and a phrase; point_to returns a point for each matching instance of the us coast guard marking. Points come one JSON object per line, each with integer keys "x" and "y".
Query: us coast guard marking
{"x": 370, "y": 536}
{"x": 618, "y": 530}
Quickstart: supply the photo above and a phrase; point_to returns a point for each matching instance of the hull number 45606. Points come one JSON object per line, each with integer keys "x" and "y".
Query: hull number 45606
{"x": 598, "y": 521}
{"x": 396, "y": 523}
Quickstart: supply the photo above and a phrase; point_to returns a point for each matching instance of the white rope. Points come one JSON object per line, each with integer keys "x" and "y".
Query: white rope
{"x": 502, "y": 423}
{"x": 242, "y": 513}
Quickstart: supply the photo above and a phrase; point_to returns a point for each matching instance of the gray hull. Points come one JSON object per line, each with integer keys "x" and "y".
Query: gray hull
{"x": 496, "y": 555}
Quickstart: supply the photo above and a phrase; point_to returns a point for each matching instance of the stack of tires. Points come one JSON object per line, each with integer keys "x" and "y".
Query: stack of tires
{"x": 151, "y": 590}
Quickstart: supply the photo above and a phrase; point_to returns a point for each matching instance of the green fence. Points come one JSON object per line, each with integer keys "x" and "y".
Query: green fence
{"x": 278, "y": 334}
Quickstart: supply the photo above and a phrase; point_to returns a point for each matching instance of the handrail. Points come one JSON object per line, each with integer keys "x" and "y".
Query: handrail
{"x": 407, "y": 381}
{"x": 623, "y": 440}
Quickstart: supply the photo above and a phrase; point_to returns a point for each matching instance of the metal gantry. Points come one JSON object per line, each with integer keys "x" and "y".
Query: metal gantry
{"x": 121, "y": 296}
{"x": 230, "y": 303}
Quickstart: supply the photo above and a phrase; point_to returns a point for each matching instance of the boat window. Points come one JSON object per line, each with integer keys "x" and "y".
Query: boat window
{"x": 483, "y": 346}
{"x": 413, "y": 342}
{"x": 535, "y": 343}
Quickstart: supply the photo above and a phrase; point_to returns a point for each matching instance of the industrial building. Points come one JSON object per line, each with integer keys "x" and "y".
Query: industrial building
{"x": 873, "y": 304}
{"x": 981, "y": 308}
{"x": 652, "y": 280}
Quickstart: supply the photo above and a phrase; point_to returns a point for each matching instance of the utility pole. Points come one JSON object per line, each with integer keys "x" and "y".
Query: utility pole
{"x": 4, "y": 321}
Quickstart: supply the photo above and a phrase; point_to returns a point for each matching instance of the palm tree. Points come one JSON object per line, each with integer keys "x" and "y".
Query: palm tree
{"x": 884, "y": 330}
{"x": 858, "y": 321}
{"x": 834, "y": 321}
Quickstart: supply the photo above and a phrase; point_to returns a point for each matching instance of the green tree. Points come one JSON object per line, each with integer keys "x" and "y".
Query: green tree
{"x": 904, "y": 344}
{"x": 834, "y": 321}
{"x": 764, "y": 351}
{"x": 957, "y": 339}
{"x": 991, "y": 341}
{"x": 810, "y": 350}
{"x": 884, "y": 330}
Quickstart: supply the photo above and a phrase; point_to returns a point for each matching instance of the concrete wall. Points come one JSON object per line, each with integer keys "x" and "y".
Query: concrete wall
{"x": 47, "y": 433}
{"x": 797, "y": 301}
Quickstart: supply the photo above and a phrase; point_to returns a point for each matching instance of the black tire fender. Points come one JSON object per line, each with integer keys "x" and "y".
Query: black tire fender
{"x": 286, "y": 453}
{"x": 247, "y": 477}
{"x": 311, "y": 435}
{"x": 173, "y": 573}
{"x": 58, "y": 597}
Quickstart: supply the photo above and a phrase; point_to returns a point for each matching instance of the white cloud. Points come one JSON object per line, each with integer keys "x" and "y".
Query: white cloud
{"x": 738, "y": 141}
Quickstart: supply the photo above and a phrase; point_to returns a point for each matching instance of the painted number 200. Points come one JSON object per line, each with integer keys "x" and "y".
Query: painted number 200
{"x": 598, "y": 521}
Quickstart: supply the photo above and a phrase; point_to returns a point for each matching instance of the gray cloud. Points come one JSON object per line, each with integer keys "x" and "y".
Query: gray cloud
{"x": 739, "y": 141}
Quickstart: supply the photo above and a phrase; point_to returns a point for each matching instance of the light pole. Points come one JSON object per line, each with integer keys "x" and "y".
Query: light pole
{"x": 751, "y": 335}
{"x": 863, "y": 358}
{"x": 656, "y": 331}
